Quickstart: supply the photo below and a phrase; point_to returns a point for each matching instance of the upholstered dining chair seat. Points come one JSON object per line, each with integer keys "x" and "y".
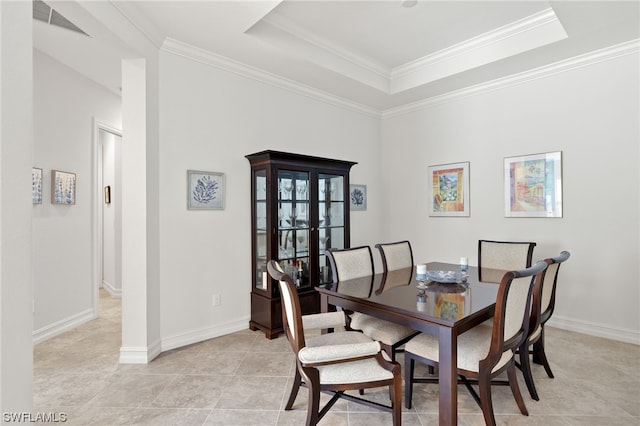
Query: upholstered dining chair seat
{"x": 367, "y": 370}
{"x": 383, "y": 331}
{"x": 473, "y": 346}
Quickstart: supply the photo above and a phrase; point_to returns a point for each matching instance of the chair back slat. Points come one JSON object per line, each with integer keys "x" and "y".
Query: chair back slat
{"x": 547, "y": 286}
{"x": 504, "y": 255}
{"x": 350, "y": 263}
{"x": 513, "y": 308}
{"x": 291, "y": 311}
{"x": 544, "y": 302}
{"x": 396, "y": 255}
{"x": 516, "y": 307}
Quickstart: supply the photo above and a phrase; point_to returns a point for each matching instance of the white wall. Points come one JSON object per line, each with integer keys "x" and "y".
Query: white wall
{"x": 65, "y": 104}
{"x": 589, "y": 113}
{"x": 210, "y": 119}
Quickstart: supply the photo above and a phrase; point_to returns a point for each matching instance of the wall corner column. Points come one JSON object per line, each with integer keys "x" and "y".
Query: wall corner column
{"x": 16, "y": 157}
{"x": 140, "y": 269}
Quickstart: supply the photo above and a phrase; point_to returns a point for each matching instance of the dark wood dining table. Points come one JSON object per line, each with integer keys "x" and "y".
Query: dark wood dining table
{"x": 445, "y": 310}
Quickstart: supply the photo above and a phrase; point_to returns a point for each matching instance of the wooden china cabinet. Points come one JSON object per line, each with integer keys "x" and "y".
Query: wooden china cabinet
{"x": 299, "y": 208}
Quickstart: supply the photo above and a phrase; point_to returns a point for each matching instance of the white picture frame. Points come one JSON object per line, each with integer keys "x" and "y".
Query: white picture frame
{"x": 205, "y": 190}
{"x": 358, "y": 197}
{"x": 533, "y": 185}
{"x": 449, "y": 189}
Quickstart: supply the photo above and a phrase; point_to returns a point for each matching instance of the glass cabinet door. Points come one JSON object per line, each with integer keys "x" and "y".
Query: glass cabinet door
{"x": 260, "y": 254}
{"x": 331, "y": 221}
{"x": 293, "y": 225}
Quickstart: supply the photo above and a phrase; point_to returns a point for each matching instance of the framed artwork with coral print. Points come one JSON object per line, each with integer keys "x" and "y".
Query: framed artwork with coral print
{"x": 449, "y": 190}
{"x": 358, "y": 197}
{"x": 205, "y": 190}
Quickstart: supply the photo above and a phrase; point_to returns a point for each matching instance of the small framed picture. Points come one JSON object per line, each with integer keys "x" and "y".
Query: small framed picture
{"x": 36, "y": 185}
{"x": 449, "y": 190}
{"x": 533, "y": 185}
{"x": 205, "y": 190}
{"x": 63, "y": 187}
{"x": 358, "y": 197}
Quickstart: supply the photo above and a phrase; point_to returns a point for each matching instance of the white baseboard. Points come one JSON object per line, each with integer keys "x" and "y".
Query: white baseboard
{"x": 113, "y": 292}
{"x": 59, "y": 327}
{"x": 202, "y": 334}
{"x": 139, "y": 354}
{"x": 593, "y": 329}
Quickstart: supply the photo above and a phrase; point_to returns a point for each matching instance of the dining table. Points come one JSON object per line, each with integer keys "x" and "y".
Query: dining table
{"x": 443, "y": 309}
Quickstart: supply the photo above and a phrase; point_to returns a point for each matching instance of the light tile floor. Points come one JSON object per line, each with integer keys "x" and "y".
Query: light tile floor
{"x": 244, "y": 379}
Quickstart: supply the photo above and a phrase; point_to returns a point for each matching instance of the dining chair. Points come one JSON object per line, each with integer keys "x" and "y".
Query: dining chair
{"x": 542, "y": 309}
{"x": 484, "y": 351}
{"x": 352, "y": 266}
{"x": 496, "y": 257}
{"x": 347, "y": 363}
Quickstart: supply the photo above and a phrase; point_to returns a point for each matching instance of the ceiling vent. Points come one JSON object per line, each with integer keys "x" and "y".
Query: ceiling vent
{"x": 43, "y": 12}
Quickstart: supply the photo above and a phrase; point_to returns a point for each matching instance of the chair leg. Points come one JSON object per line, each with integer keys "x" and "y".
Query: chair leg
{"x": 297, "y": 381}
{"x": 540, "y": 357}
{"x": 525, "y": 366}
{"x": 396, "y": 401}
{"x": 409, "y": 366}
{"x": 515, "y": 389}
{"x": 484, "y": 386}
{"x": 313, "y": 403}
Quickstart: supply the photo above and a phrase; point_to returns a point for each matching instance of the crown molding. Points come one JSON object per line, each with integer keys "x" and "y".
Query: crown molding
{"x": 206, "y": 57}
{"x": 139, "y": 22}
{"x": 293, "y": 39}
{"x": 491, "y": 37}
{"x": 221, "y": 62}
{"x": 299, "y": 32}
{"x": 534, "y": 31}
{"x": 530, "y": 32}
{"x": 587, "y": 59}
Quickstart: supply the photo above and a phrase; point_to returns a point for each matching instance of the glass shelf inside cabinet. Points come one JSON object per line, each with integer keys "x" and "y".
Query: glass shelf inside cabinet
{"x": 293, "y": 216}
{"x": 261, "y": 216}
{"x": 293, "y": 186}
{"x": 261, "y": 185}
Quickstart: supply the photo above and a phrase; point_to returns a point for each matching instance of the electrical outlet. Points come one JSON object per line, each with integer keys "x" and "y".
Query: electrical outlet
{"x": 216, "y": 300}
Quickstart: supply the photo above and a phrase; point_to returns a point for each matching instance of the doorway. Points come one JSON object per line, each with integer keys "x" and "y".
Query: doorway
{"x": 109, "y": 209}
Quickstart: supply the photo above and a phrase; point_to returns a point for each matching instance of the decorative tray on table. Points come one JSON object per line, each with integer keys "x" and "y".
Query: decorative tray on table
{"x": 447, "y": 277}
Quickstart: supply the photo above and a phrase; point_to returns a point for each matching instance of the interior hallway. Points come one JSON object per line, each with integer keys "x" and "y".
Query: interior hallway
{"x": 244, "y": 379}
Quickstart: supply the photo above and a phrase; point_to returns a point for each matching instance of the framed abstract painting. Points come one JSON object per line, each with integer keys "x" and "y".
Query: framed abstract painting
{"x": 449, "y": 189}
{"x": 533, "y": 185}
